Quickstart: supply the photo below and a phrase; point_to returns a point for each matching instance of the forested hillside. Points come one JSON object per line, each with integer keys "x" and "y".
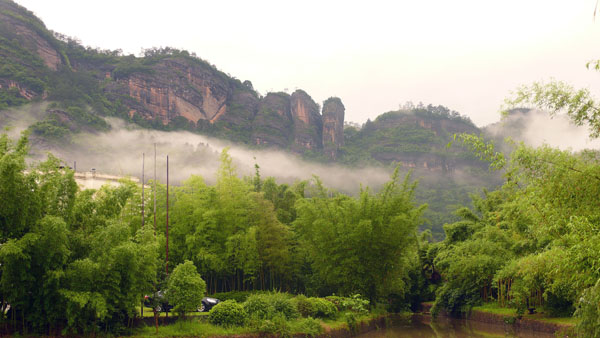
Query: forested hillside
{"x": 76, "y": 87}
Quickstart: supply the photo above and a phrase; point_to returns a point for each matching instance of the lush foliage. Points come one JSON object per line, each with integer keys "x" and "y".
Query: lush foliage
{"x": 359, "y": 244}
{"x": 186, "y": 288}
{"x": 67, "y": 261}
{"x": 532, "y": 243}
{"x": 228, "y": 313}
{"x": 80, "y": 261}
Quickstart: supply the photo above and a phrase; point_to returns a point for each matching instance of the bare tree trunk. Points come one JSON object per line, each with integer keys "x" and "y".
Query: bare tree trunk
{"x": 156, "y": 320}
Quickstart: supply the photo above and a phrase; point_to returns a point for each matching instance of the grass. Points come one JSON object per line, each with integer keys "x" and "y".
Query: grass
{"x": 197, "y": 327}
{"x": 570, "y": 321}
{"x": 340, "y": 320}
{"x": 148, "y": 313}
{"x": 189, "y": 328}
{"x": 494, "y": 308}
{"x": 540, "y": 316}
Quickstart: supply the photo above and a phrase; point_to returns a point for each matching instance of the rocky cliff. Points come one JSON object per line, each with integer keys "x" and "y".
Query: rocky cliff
{"x": 308, "y": 124}
{"x": 174, "y": 88}
{"x": 21, "y": 26}
{"x": 333, "y": 126}
{"x": 28, "y": 54}
{"x": 170, "y": 89}
{"x": 165, "y": 88}
{"x": 273, "y": 123}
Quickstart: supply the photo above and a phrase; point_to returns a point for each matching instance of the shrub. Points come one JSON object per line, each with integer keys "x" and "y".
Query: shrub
{"x": 238, "y": 296}
{"x": 352, "y": 322}
{"x": 259, "y": 306}
{"x": 323, "y": 308}
{"x": 266, "y": 327}
{"x": 304, "y": 306}
{"x": 336, "y": 300}
{"x": 354, "y": 303}
{"x": 309, "y": 326}
{"x": 282, "y": 303}
{"x": 228, "y": 313}
{"x": 269, "y": 305}
{"x": 282, "y": 326}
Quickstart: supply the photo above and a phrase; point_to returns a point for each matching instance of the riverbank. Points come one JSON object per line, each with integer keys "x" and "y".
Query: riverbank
{"x": 508, "y": 319}
{"x": 198, "y": 327}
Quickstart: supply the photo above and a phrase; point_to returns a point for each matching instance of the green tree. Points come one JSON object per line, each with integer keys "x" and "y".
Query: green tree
{"x": 361, "y": 245}
{"x": 19, "y": 197}
{"x": 33, "y": 272}
{"x": 186, "y": 288}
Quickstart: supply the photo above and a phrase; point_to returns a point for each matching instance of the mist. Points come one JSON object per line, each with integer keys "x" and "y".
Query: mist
{"x": 537, "y": 128}
{"x": 119, "y": 152}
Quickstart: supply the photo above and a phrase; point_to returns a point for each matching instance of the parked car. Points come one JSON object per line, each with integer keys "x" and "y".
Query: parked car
{"x": 207, "y": 304}
{"x": 162, "y": 305}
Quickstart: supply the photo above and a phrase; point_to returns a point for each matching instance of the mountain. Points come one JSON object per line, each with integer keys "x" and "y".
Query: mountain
{"x": 164, "y": 89}
{"x": 170, "y": 89}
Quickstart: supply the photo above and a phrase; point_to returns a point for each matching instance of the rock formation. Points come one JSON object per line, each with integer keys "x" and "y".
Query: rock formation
{"x": 170, "y": 89}
{"x": 273, "y": 123}
{"x": 176, "y": 88}
{"x": 308, "y": 125}
{"x": 333, "y": 126}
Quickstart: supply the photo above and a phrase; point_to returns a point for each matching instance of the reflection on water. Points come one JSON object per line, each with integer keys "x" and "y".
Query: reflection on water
{"x": 424, "y": 327}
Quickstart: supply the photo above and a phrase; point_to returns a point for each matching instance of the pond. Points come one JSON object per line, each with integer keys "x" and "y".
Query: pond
{"x": 424, "y": 327}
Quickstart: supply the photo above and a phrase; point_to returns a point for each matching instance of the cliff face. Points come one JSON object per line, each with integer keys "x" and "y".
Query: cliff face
{"x": 171, "y": 89}
{"x": 307, "y": 123}
{"x": 273, "y": 123}
{"x": 28, "y": 38}
{"x": 333, "y": 126}
{"x": 28, "y": 52}
{"x": 176, "y": 88}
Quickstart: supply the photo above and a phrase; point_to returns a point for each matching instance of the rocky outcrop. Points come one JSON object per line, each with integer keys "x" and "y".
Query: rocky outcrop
{"x": 177, "y": 88}
{"x": 171, "y": 89}
{"x": 168, "y": 88}
{"x": 333, "y": 126}
{"x": 308, "y": 125}
{"x": 273, "y": 124}
{"x": 237, "y": 120}
{"x": 23, "y": 90}
{"x": 29, "y": 32}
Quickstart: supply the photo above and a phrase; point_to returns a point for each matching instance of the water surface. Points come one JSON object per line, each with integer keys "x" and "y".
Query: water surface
{"x": 424, "y": 327}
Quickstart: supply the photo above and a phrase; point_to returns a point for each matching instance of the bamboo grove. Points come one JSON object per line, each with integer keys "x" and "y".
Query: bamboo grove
{"x": 533, "y": 244}
{"x": 80, "y": 261}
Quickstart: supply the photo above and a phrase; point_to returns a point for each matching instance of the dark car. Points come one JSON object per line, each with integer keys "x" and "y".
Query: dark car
{"x": 160, "y": 303}
{"x": 207, "y": 304}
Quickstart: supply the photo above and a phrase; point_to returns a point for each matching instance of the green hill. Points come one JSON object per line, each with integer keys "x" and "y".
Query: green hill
{"x": 170, "y": 89}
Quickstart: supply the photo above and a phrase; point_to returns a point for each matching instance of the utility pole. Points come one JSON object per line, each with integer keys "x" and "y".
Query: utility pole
{"x": 167, "y": 233}
{"x": 143, "y": 160}
{"x": 154, "y": 189}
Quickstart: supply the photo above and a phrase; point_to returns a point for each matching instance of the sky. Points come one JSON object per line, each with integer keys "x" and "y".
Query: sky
{"x": 467, "y": 55}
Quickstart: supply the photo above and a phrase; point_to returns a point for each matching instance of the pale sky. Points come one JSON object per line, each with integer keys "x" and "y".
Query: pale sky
{"x": 464, "y": 54}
